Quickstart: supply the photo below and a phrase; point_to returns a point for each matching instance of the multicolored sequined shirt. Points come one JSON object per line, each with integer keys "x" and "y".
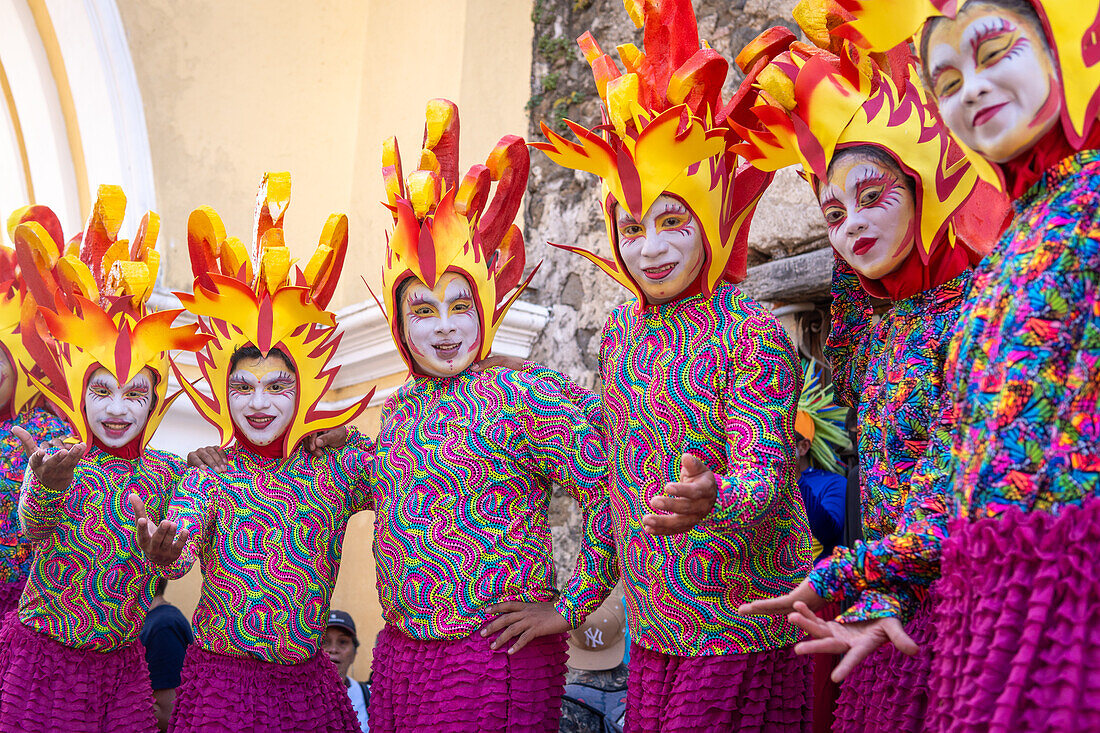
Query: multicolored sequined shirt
{"x": 1018, "y": 423}
{"x": 465, "y": 466}
{"x": 89, "y": 587}
{"x": 15, "y": 549}
{"x": 269, "y": 533}
{"x": 716, "y": 377}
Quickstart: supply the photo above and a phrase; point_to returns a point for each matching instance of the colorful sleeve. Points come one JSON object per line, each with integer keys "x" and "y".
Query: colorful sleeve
{"x": 192, "y": 508}
{"x": 358, "y": 464}
{"x": 587, "y": 401}
{"x": 40, "y": 506}
{"x": 905, "y": 563}
{"x": 568, "y": 449}
{"x": 762, "y": 388}
{"x": 846, "y": 348}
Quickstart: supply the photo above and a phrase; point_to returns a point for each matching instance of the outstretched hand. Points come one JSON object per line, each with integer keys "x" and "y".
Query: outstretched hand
{"x": 317, "y": 443}
{"x": 496, "y": 360}
{"x": 802, "y": 593}
{"x": 855, "y": 641}
{"x": 688, "y": 501}
{"x": 528, "y": 621}
{"x": 53, "y": 469}
{"x": 162, "y": 545}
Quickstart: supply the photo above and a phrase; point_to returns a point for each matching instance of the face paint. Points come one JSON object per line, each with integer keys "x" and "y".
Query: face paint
{"x": 262, "y": 398}
{"x": 441, "y": 327}
{"x": 993, "y": 77}
{"x": 869, "y": 213}
{"x": 7, "y": 381}
{"x": 663, "y": 252}
{"x": 117, "y": 414}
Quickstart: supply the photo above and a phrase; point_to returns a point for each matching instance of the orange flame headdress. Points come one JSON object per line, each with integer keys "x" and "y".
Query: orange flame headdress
{"x": 664, "y": 134}
{"x": 1072, "y": 29}
{"x": 443, "y": 225}
{"x": 812, "y": 102}
{"x": 246, "y": 297}
{"x": 93, "y": 305}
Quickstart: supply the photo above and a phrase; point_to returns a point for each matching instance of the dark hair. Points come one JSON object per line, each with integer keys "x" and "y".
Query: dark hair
{"x": 1022, "y": 7}
{"x": 876, "y": 155}
{"x": 249, "y": 351}
{"x": 162, "y": 584}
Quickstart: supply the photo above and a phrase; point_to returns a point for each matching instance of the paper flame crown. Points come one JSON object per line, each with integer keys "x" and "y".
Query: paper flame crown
{"x": 664, "y": 133}
{"x": 246, "y": 296}
{"x": 443, "y": 225}
{"x": 1072, "y": 28}
{"x": 823, "y": 420}
{"x": 811, "y": 103}
{"x": 92, "y": 297}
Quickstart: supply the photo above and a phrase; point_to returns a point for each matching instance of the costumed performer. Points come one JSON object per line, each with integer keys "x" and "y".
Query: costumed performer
{"x": 465, "y": 464}
{"x": 1016, "y": 537}
{"x": 907, "y": 215}
{"x": 267, "y": 529}
{"x": 701, "y": 384}
{"x": 70, "y": 659}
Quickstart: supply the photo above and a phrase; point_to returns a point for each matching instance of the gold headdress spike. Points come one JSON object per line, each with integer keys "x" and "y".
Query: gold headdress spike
{"x": 92, "y": 301}
{"x": 441, "y": 224}
{"x": 1071, "y": 28}
{"x": 259, "y": 296}
{"x": 810, "y": 103}
{"x": 665, "y": 133}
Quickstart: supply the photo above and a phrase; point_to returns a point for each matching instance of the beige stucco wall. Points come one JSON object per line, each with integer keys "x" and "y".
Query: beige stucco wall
{"x": 232, "y": 89}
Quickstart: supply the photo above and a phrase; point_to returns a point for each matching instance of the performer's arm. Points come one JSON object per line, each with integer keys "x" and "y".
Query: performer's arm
{"x": 357, "y": 461}
{"x": 175, "y": 543}
{"x": 850, "y": 331}
{"x": 46, "y": 485}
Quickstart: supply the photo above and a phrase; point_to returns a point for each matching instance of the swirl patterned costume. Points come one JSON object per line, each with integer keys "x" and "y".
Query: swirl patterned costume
{"x": 465, "y": 465}
{"x": 268, "y": 531}
{"x": 70, "y": 658}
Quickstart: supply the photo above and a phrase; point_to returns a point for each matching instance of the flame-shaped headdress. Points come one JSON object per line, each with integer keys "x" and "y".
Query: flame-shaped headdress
{"x": 1072, "y": 28}
{"x": 443, "y": 225}
{"x": 812, "y": 103}
{"x": 244, "y": 297}
{"x": 92, "y": 302}
{"x": 664, "y": 133}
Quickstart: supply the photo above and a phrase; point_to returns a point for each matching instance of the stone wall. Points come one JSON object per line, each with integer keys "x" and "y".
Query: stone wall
{"x": 787, "y": 262}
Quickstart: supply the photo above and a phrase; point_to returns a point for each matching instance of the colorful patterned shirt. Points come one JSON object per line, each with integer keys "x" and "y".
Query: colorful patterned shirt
{"x": 716, "y": 377}
{"x": 15, "y": 549}
{"x": 89, "y": 587}
{"x": 1019, "y": 419}
{"x": 465, "y": 466}
{"x": 269, "y": 534}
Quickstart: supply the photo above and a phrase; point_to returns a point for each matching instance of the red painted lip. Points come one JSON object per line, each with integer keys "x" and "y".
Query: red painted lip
{"x": 115, "y": 429}
{"x": 863, "y": 245}
{"x": 446, "y": 350}
{"x": 985, "y": 115}
{"x": 660, "y": 272}
{"x": 259, "y": 421}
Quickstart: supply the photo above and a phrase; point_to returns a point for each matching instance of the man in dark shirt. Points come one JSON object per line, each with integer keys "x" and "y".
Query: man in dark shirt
{"x": 166, "y": 636}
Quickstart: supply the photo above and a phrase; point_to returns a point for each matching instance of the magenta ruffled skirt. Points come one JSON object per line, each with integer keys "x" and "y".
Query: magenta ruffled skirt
{"x": 463, "y": 685}
{"x": 758, "y": 692}
{"x": 10, "y": 593}
{"x": 888, "y": 691}
{"x": 1018, "y": 624}
{"x": 219, "y": 693}
{"x": 46, "y": 686}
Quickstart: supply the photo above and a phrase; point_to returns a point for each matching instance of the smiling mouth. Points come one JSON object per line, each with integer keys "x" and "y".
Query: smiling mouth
{"x": 447, "y": 350}
{"x": 115, "y": 429}
{"x": 259, "y": 422}
{"x": 863, "y": 245}
{"x": 985, "y": 115}
{"x": 660, "y": 272}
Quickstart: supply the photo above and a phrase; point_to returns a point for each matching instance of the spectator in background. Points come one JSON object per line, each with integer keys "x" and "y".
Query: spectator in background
{"x": 341, "y": 644}
{"x": 596, "y": 676}
{"x": 165, "y": 635}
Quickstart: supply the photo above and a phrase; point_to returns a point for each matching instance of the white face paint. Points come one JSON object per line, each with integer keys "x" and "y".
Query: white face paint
{"x": 7, "y": 380}
{"x": 117, "y": 414}
{"x": 441, "y": 326}
{"x": 869, "y": 213}
{"x": 262, "y": 398}
{"x": 664, "y": 251}
{"x": 994, "y": 80}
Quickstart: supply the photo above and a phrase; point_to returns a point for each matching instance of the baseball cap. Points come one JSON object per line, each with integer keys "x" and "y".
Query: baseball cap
{"x": 343, "y": 620}
{"x": 599, "y": 643}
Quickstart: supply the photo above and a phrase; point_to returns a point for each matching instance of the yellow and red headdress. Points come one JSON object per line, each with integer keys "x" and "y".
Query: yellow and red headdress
{"x": 92, "y": 297}
{"x": 443, "y": 225}
{"x": 258, "y": 296}
{"x": 811, "y": 103}
{"x": 664, "y": 133}
{"x": 1072, "y": 28}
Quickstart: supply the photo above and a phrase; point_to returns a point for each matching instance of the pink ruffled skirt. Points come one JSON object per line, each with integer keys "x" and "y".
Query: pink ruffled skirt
{"x": 758, "y": 692}
{"x": 219, "y": 693}
{"x": 462, "y": 685}
{"x": 10, "y": 594}
{"x": 47, "y": 686}
{"x": 1018, "y": 624}
{"x": 888, "y": 691}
